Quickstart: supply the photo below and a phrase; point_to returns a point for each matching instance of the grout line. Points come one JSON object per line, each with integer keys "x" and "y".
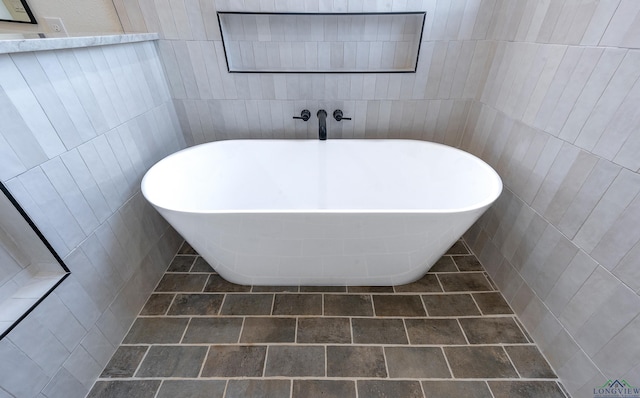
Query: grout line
{"x": 447, "y": 362}
{"x": 373, "y": 307}
{"x": 266, "y": 357}
{"x": 159, "y": 388}
{"x": 477, "y": 306}
{"x": 314, "y": 344}
{"x": 222, "y": 303}
{"x": 384, "y": 356}
{"x": 179, "y": 316}
{"x": 244, "y": 319}
{"x": 326, "y": 362}
{"x": 406, "y": 330}
{"x": 184, "y": 332}
{"x": 511, "y": 362}
{"x": 424, "y": 306}
{"x": 204, "y": 361}
{"x": 141, "y": 361}
{"x": 226, "y": 387}
{"x": 463, "y": 333}
{"x": 273, "y": 303}
{"x": 489, "y": 388}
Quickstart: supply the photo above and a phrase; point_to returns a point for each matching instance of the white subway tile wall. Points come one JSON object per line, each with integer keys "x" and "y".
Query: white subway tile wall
{"x": 80, "y": 128}
{"x": 557, "y": 119}
{"x": 550, "y": 94}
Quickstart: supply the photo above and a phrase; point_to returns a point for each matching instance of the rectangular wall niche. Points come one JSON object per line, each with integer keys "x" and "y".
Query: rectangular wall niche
{"x": 321, "y": 43}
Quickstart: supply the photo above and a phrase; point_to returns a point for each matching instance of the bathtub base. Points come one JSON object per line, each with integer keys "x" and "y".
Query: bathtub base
{"x": 322, "y": 249}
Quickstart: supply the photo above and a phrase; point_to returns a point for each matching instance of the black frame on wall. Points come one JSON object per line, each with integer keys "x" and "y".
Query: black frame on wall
{"x": 32, "y": 19}
{"x": 415, "y": 68}
{"x": 55, "y": 255}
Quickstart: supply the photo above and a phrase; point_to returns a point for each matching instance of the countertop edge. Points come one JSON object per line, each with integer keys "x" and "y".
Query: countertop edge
{"x": 58, "y": 43}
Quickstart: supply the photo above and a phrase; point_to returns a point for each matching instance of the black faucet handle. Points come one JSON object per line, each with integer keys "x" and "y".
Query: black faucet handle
{"x": 304, "y": 115}
{"x": 337, "y": 114}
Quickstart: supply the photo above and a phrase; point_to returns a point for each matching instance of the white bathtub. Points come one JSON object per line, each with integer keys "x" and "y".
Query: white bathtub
{"x": 310, "y": 212}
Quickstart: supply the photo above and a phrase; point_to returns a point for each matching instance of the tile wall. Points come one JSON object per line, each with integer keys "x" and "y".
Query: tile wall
{"x": 79, "y": 129}
{"x": 272, "y": 42}
{"x": 559, "y": 119}
{"x": 212, "y": 104}
{"x": 549, "y": 93}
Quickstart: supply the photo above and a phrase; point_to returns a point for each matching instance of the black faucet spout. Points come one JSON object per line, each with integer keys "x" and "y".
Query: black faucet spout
{"x": 322, "y": 124}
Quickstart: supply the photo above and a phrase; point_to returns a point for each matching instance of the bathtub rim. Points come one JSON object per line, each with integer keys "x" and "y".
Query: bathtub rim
{"x": 492, "y": 175}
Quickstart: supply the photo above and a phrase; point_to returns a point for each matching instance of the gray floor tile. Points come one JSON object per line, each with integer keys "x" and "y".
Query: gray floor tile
{"x": 297, "y": 304}
{"x": 216, "y": 283}
{"x": 216, "y": 330}
{"x": 201, "y": 265}
{"x": 458, "y": 248}
{"x": 237, "y": 334}
{"x": 389, "y": 389}
{"x": 247, "y": 304}
{"x": 234, "y": 361}
{"x": 444, "y": 264}
{"x": 370, "y": 289}
{"x": 295, "y": 361}
{"x": 124, "y": 361}
{"x": 502, "y": 330}
{"x": 378, "y": 331}
{"x": 479, "y": 362}
{"x": 467, "y": 263}
{"x": 324, "y": 389}
{"x": 434, "y": 331}
{"x": 172, "y": 361}
{"x": 196, "y": 304}
{"x": 416, "y": 363}
{"x": 268, "y": 330}
{"x": 156, "y": 331}
{"x": 186, "y": 249}
{"x": 450, "y": 305}
{"x": 525, "y": 389}
{"x": 426, "y": 284}
{"x": 492, "y": 303}
{"x": 324, "y": 330}
{"x": 324, "y": 289}
{"x": 192, "y": 389}
{"x": 258, "y": 389}
{"x": 158, "y": 304}
{"x": 348, "y": 305}
{"x": 182, "y": 283}
{"x": 456, "y": 389}
{"x": 121, "y": 388}
{"x": 461, "y": 282}
{"x": 398, "y": 305}
{"x": 181, "y": 263}
{"x": 274, "y": 289}
{"x": 355, "y": 361}
{"x": 529, "y": 362}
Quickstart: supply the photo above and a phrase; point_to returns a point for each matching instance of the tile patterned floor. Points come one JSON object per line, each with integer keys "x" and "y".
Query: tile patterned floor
{"x": 450, "y": 334}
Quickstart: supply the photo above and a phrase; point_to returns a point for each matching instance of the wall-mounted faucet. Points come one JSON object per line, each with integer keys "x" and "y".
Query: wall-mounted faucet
{"x": 304, "y": 115}
{"x": 322, "y": 124}
{"x": 337, "y": 114}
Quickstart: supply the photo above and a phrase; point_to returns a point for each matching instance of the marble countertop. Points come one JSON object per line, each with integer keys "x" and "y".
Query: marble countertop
{"x": 15, "y": 43}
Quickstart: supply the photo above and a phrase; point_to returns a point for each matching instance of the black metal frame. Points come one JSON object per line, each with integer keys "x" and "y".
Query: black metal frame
{"x": 32, "y": 20}
{"x": 415, "y": 68}
{"x": 33, "y": 226}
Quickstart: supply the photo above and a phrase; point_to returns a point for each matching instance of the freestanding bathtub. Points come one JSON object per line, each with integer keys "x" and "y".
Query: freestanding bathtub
{"x": 310, "y": 212}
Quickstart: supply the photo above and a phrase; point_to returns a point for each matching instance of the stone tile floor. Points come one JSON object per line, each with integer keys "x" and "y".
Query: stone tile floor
{"x": 450, "y": 334}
